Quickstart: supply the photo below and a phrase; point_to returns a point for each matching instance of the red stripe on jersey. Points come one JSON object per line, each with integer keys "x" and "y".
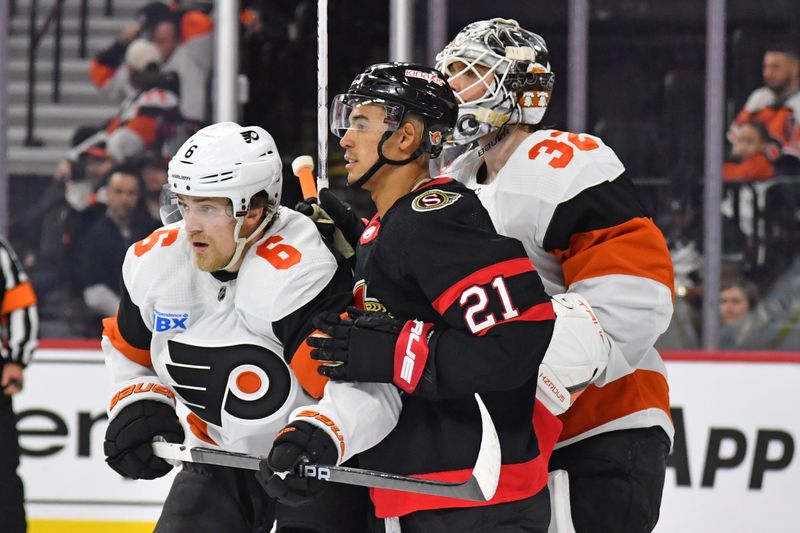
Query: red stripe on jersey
{"x": 537, "y": 313}
{"x": 509, "y": 268}
{"x": 517, "y": 481}
{"x": 434, "y": 183}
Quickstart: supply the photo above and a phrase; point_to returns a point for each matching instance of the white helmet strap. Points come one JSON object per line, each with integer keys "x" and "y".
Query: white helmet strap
{"x": 242, "y": 241}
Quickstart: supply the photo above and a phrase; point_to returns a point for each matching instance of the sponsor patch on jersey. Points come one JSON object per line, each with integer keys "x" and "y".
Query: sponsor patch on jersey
{"x": 168, "y": 321}
{"x": 434, "y": 199}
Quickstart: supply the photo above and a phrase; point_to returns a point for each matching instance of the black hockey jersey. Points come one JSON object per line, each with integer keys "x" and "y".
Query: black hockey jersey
{"x": 435, "y": 256}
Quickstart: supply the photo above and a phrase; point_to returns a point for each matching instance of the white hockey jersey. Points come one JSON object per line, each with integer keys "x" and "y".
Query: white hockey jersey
{"x": 218, "y": 345}
{"x": 564, "y": 197}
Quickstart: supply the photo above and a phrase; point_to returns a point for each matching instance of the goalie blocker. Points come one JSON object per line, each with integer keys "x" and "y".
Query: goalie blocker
{"x": 577, "y": 355}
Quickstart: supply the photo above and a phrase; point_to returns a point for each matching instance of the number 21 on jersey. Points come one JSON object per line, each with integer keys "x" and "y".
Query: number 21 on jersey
{"x": 475, "y": 299}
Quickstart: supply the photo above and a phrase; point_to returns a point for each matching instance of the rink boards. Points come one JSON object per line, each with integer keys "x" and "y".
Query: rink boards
{"x": 733, "y": 466}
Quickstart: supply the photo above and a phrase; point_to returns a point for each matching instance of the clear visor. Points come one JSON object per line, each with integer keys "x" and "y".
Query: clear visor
{"x": 169, "y": 206}
{"x": 173, "y": 208}
{"x": 363, "y": 113}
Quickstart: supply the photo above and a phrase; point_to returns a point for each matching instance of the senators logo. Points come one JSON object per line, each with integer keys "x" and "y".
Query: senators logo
{"x": 435, "y": 137}
{"x": 247, "y": 381}
{"x": 434, "y": 199}
{"x": 362, "y": 301}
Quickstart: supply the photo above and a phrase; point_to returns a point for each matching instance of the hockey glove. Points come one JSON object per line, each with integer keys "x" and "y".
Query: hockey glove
{"x": 296, "y": 443}
{"x": 129, "y": 438}
{"x": 372, "y": 347}
{"x": 336, "y": 222}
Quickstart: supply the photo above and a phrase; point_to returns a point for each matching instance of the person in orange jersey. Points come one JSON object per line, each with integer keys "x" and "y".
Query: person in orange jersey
{"x": 748, "y": 159}
{"x": 566, "y": 197}
{"x": 20, "y": 335}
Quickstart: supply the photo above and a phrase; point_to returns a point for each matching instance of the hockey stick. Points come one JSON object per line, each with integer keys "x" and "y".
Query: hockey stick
{"x": 480, "y": 487}
{"x": 322, "y": 94}
{"x": 303, "y": 168}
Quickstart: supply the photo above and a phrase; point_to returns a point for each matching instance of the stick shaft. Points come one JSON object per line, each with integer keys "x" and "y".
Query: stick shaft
{"x": 322, "y": 94}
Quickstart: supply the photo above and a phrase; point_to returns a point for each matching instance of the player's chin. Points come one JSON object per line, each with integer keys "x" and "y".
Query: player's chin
{"x": 210, "y": 262}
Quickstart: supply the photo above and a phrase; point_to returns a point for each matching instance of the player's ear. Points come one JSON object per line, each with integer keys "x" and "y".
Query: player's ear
{"x": 410, "y": 136}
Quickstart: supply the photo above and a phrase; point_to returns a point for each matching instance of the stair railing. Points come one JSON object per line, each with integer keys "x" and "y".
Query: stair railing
{"x": 36, "y": 36}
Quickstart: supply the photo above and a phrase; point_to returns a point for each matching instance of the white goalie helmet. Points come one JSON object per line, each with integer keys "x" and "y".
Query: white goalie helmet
{"x": 229, "y": 161}
{"x": 511, "y": 65}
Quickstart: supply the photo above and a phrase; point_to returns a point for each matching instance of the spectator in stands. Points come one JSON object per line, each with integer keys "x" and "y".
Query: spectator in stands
{"x": 154, "y": 176}
{"x": 736, "y": 301}
{"x": 101, "y": 250}
{"x": 19, "y": 333}
{"x": 69, "y": 205}
{"x": 776, "y": 321}
{"x": 748, "y": 159}
{"x": 777, "y": 103}
{"x": 184, "y": 40}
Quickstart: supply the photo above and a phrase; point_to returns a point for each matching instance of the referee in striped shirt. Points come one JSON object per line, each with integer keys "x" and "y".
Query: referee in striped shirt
{"x": 19, "y": 333}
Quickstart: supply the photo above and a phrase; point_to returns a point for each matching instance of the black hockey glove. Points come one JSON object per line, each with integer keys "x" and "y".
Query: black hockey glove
{"x": 372, "y": 347}
{"x": 129, "y": 438}
{"x": 296, "y": 443}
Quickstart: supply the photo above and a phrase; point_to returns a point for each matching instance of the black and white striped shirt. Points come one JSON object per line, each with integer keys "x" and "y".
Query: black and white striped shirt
{"x": 19, "y": 316}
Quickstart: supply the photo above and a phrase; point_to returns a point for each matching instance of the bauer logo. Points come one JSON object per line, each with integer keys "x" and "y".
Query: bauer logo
{"x": 168, "y": 321}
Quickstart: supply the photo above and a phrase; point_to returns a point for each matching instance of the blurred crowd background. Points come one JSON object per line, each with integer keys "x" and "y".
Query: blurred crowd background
{"x": 89, "y": 140}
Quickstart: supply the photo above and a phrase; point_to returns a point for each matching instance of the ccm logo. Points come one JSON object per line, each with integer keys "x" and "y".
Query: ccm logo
{"x": 409, "y": 359}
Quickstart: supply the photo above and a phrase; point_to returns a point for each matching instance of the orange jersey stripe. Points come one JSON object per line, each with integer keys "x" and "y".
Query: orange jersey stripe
{"x": 144, "y": 127}
{"x": 194, "y": 24}
{"x": 100, "y": 73}
{"x": 137, "y": 355}
{"x": 19, "y": 297}
{"x": 644, "y": 389}
{"x": 305, "y": 368}
{"x": 635, "y": 248}
{"x": 200, "y": 428}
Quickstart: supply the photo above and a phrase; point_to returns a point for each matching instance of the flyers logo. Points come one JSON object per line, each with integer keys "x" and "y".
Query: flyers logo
{"x": 247, "y": 381}
{"x": 249, "y": 136}
{"x": 434, "y": 199}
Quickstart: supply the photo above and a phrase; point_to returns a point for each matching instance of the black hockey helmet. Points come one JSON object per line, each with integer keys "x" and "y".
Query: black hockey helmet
{"x": 401, "y": 88}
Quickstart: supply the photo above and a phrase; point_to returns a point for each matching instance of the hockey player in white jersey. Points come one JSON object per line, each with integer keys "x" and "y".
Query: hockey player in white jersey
{"x": 216, "y": 307}
{"x": 565, "y": 196}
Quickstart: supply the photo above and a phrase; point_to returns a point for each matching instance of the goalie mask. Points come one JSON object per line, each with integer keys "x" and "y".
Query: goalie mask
{"x": 508, "y": 66}
{"x": 400, "y": 89}
{"x": 229, "y": 161}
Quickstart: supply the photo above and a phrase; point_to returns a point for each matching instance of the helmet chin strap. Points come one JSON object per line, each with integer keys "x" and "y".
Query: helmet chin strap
{"x": 383, "y": 160}
{"x": 242, "y": 241}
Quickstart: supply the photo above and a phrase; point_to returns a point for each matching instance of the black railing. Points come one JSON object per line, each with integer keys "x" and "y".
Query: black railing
{"x": 36, "y": 35}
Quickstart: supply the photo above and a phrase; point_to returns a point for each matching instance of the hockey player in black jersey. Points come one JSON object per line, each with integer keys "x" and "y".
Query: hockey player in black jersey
{"x": 446, "y": 308}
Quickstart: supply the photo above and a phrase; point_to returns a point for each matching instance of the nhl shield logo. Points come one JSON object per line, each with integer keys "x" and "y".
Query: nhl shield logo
{"x": 434, "y": 199}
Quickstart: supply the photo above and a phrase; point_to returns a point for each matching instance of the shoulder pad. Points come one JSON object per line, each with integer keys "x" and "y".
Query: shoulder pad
{"x": 164, "y": 250}
{"x": 285, "y": 269}
{"x": 555, "y": 166}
